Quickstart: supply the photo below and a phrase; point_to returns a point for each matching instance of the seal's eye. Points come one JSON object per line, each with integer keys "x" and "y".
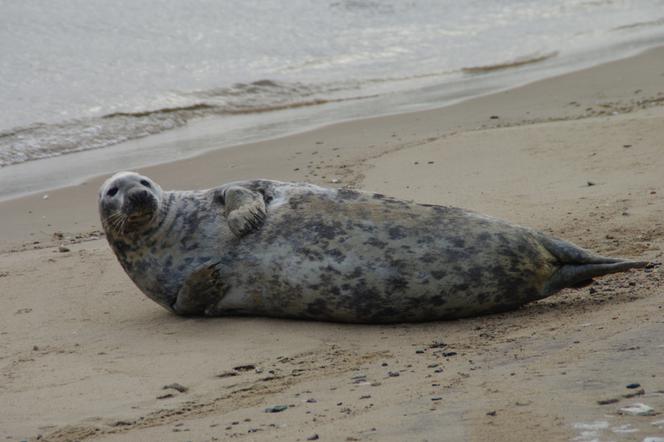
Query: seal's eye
{"x": 145, "y": 183}
{"x": 112, "y": 191}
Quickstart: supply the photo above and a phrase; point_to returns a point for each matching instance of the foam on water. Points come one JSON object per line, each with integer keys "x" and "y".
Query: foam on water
{"x": 43, "y": 140}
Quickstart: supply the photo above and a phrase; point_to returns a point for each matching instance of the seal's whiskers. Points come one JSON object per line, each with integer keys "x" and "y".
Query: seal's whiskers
{"x": 117, "y": 221}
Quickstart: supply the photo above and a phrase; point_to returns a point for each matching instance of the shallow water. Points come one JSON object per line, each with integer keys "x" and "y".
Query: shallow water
{"x": 78, "y": 75}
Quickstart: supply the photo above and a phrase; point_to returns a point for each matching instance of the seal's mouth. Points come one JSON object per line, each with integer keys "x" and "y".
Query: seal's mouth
{"x": 139, "y": 218}
{"x": 120, "y": 223}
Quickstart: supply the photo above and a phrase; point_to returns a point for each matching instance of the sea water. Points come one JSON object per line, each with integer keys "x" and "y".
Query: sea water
{"x": 82, "y": 75}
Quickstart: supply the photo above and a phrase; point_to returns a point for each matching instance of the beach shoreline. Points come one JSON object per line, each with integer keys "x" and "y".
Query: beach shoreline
{"x": 467, "y": 115}
{"x": 205, "y": 134}
{"x": 80, "y": 90}
{"x": 86, "y": 356}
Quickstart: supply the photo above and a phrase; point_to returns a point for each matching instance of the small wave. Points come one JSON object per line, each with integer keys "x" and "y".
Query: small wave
{"x": 642, "y": 24}
{"x": 517, "y": 62}
{"x": 363, "y": 5}
{"x": 165, "y": 110}
{"x": 41, "y": 140}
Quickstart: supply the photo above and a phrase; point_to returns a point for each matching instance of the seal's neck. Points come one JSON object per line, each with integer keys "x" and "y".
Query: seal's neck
{"x": 163, "y": 219}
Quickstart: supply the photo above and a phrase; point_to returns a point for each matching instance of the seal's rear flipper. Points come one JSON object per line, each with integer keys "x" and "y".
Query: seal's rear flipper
{"x": 571, "y": 275}
{"x": 578, "y": 266}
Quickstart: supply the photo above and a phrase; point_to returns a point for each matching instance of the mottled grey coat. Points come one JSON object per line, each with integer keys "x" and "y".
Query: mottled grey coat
{"x": 300, "y": 251}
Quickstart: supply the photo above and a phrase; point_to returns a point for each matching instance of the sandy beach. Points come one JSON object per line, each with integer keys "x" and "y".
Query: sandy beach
{"x": 85, "y": 356}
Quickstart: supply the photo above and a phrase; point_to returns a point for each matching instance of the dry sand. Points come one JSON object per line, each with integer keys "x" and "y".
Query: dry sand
{"x": 86, "y": 356}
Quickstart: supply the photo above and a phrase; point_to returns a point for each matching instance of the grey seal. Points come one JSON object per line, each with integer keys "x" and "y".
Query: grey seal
{"x": 296, "y": 250}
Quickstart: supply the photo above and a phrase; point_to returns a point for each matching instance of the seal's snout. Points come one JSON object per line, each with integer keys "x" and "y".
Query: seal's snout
{"x": 140, "y": 203}
{"x": 139, "y": 197}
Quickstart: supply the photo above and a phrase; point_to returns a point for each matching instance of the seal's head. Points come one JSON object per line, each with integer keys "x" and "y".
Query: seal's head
{"x": 128, "y": 202}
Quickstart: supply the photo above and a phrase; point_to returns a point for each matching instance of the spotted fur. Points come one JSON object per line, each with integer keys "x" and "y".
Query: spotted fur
{"x": 326, "y": 254}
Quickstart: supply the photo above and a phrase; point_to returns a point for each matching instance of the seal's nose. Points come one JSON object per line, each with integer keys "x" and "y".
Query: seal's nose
{"x": 140, "y": 198}
{"x": 141, "y": 193}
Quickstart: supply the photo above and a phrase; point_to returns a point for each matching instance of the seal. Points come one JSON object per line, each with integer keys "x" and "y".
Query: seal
{"x": 296, "y": 250}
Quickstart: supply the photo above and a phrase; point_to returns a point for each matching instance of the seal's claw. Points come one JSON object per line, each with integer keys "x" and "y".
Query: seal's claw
{"x": 245, "y": 220}
{"x": 245, "y": 210}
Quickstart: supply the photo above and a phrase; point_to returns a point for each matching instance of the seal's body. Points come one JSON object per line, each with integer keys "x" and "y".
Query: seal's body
{"x": 301, "y": 251}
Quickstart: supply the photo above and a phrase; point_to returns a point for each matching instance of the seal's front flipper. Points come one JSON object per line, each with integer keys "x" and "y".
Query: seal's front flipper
{"x": 202, "y": 290}
{"x": 244, "y": 209}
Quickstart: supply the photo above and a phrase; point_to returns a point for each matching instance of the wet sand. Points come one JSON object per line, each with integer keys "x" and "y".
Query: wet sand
{"x": 86, "y": 356}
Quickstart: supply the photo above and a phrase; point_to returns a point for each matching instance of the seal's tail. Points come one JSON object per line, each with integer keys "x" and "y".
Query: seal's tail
{"x": 578, "y": 265}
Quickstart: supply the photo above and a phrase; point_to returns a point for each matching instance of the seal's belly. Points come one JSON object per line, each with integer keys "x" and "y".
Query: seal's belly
{"x": 382, "y": 261}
